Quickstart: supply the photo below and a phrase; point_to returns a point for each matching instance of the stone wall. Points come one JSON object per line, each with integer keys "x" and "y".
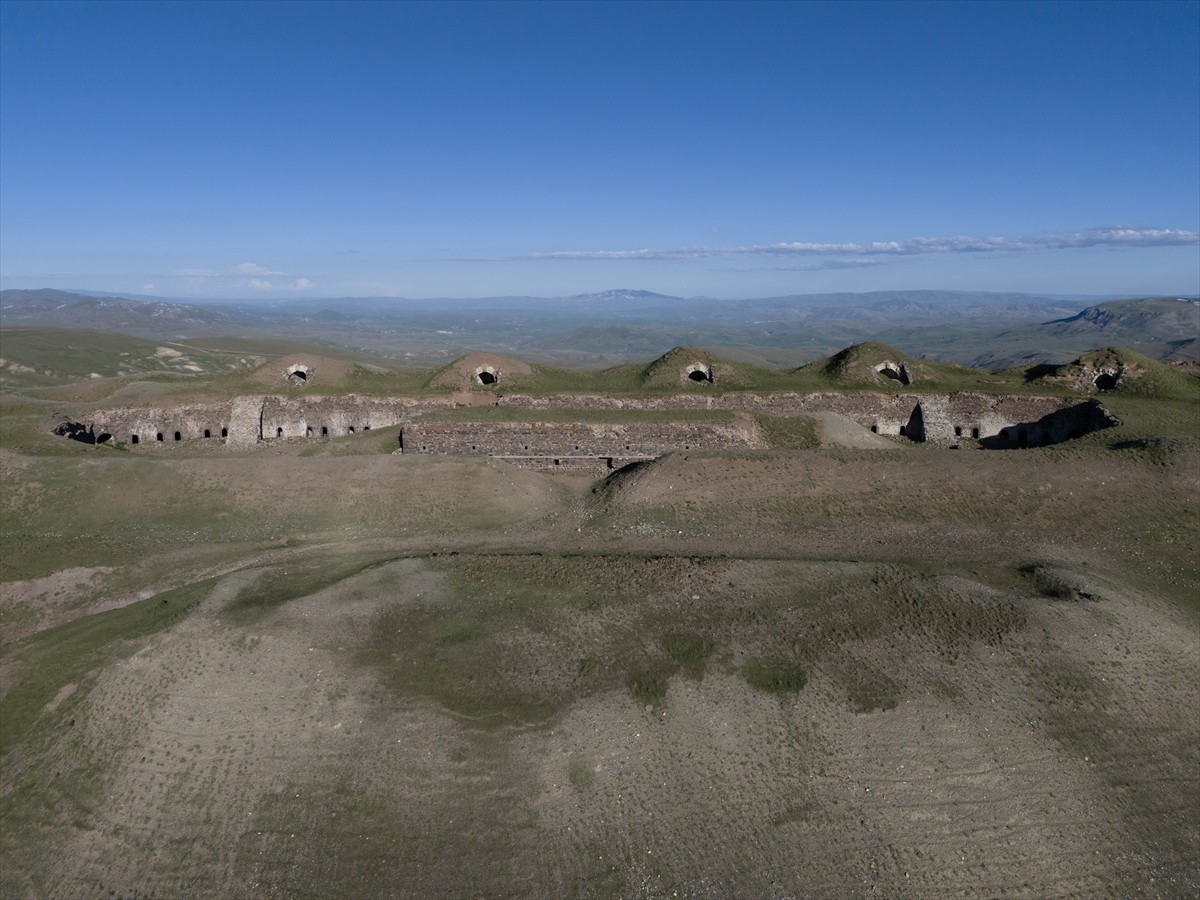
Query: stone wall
{"x": 943, "y": 419}
{"x": 560, "y": 440}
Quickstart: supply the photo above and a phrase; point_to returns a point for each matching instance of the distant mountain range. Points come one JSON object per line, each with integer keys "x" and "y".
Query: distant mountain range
{"x": 986, "y": 329}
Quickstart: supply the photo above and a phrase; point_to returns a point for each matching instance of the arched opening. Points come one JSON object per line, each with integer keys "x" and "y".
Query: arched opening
{"x": 298, "y": 374}
{"x": 699, "y": 373}
{"x": 902, "y": 431}
{"x": 224, "y": 432}
{"x": 207, "y": 433}
{"x": 1105, "y": 381}
{"x": 958, "y": 431}
{"x": 875, "y": 429}
{"x": 366, "y": 428}
{"x": 158, "y": 437}
{"x": 103, "y": 438}
{"x": 178, "y": 436}
{"x": 279, "y": 432}
{"x": 308, "y": 431}
{"x": 975, "y": 433}
{"x": 915, "y": 429}
{"x": 487, "y": 375}
{"x": 350, "y": 430}
{"x": 895, "y": 371}
{"x": 324, "y": 431}
{"x": 133, "y": 439}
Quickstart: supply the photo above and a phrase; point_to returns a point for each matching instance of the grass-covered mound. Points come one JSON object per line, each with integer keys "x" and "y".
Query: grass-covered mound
{"x": 1118, "y": 370}
{"x": 479, "y": 371}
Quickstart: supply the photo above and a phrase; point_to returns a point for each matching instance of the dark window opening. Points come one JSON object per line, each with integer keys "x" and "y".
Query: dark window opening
{"x": 158, "y": 437}
{"x": 279, "y": 432}
{"x": 975, "y": 433}
{"x": 699, "y": 375}
{"x": 958, "y": 431}
{"x": 366, "y": 428}
{"x": 875, "y": 429}
{"x": 324, "y": 431}
{"x": 1105, "y": 381}
{"x": 486, "y": 377}
{"x": 178, "y": 436}
{"x": 207, "y": 433}
{"x": 350, "y": 430}
{"x": 224, "y": 432}
{"x": 901, "y": 431}
{"x": 915, "y": 429}
{"x": 556, "y": 462}
{"x": 103, "y": 438}
{"x": 308, "y": 431}
{"x": 133, "y": 439}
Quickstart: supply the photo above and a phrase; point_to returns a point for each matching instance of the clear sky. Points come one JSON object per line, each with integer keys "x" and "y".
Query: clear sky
{"x": 232, "y": 150}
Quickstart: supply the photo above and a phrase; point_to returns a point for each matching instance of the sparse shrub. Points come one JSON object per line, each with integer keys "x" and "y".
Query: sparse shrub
{"x": 774, "y": 676}
{"x": 647, "y": 688}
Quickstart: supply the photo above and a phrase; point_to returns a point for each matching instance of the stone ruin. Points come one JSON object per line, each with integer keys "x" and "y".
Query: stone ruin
{"x": 698, "y": 372}
{"x": 487, "y": 375}
{"x": 894, "y": 370}
{"x": 299, "y": 374}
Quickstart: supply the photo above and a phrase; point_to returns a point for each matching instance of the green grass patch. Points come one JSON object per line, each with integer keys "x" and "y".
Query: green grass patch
{"x": 278, "y": 586}
{"x": 455, "y": 629}
{"x": 774, "y": 676}
{"x": 789, "y": 432}
{"x": 687, "y": 649}
{"x": 72, "y": 652}
{"x": 647, "y": 688}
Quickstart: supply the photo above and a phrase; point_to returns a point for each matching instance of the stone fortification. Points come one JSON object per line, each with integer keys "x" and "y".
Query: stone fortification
{"x": 245, "y": 421}
{"x": 560, "y": 443}
{"x": 943, "y": 419}
{"x": 937, "y": 418}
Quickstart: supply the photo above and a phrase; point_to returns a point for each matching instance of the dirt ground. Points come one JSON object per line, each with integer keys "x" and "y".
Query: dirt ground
{"x": 423, "y": 677}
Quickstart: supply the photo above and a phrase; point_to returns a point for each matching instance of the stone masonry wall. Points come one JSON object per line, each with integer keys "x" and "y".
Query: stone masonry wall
{"x": 944, "y": 419}
{"x": 640, "y": 440}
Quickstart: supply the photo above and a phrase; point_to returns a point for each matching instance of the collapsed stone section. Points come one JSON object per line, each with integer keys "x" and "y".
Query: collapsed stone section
{"x": 895, "y": 371}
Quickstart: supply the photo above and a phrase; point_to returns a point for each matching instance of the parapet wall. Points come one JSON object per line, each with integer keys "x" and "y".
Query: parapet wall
{"x": 937, "y": 418}
{"x": 630, "y": 441}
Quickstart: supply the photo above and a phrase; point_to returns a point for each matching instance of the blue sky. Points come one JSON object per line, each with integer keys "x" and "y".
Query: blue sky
{"x": 232, "y": 150}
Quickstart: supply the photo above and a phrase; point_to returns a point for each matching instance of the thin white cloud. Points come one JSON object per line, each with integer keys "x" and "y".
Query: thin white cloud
{"x": 921, "y": 246}
{"x": 196, "y": 273}
{"x": 148, "y": 286}
{"x": 301, "y": 284}
{"x": 260, "y": 284}
{"x": 249, "y": 268}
